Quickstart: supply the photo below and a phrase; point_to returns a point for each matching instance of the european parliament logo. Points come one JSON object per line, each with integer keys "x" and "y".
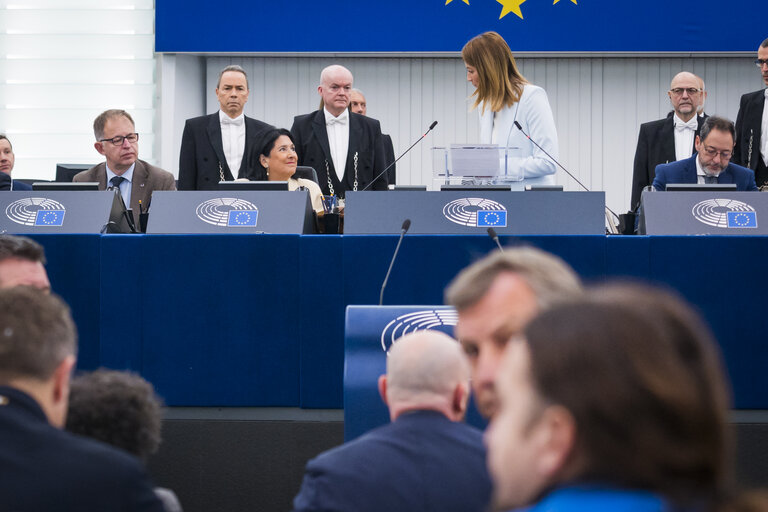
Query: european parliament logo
{"x": 742, "y": 219}
{"x": 442, "y": 319}
{"x": 476, "y": 212}
{"x": 725, "y": 213}
{"x": 242, "y": 218}
{"x": 36, "y": 211}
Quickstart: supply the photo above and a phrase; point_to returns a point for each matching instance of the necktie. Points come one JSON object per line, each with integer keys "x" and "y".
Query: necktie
{"x": 692, "y": 124}
{"x": 116, "y": 181}
{"x": 234, "y": 122}
{"x": 710, "y": 179}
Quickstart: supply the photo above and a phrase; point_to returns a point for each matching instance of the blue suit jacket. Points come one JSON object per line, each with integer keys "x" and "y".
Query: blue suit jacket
{"x": 684, "y": 171}
{"x": 420, "y": 462}
{"x": 43, "y": 468}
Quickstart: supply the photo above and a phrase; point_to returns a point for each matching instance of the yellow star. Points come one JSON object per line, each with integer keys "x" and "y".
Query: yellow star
{"x": 449, "y": 1}
{"x": 509, "y": 6}
{"x": 574, "y": 1}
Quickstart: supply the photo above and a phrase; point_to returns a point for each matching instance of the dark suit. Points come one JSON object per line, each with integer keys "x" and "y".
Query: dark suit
{"x": 6, "y": 183}
{"x": 684, "y": 171}
{"x": 389, "y": 158}
{"x": 421, "y": 462}
{"x": 202, "y": 153}
{"x": 311, "y": 139}
{"x": 748, "y": 133}
{"x": 655, "y": 145}
{"x": 44, "y": 468}
{"x": 146, "y": 179}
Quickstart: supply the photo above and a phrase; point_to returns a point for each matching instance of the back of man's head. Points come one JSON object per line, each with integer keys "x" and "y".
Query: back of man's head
{"x": 21, "y": 263}
{"x": 118, "y": 408}
{"x": 427, "y": 370}
{"x": 550, "y": 278}
{"x": 36, "y": 334}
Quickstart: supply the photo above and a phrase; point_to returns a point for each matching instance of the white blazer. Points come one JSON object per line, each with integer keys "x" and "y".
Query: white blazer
{"x": 535, "y": 116}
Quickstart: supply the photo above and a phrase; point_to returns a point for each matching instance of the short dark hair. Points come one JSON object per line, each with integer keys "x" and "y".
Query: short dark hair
{"x": 269, "y": 138}
{"x": 642, "y": 377}
{"x": 238, "y": 69}
{"x": 764, "y": 44}
{"x": 36, "y": 334}
{"x": 21, "y": 247}
{"x": 5, "y": 137}
{"x": 118, "y": 408}
{"x": 101, "y": 120}
{"x": 720, "y": 124}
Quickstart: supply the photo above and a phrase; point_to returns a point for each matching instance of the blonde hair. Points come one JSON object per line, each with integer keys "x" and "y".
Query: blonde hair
{"x": 500, "y": 83}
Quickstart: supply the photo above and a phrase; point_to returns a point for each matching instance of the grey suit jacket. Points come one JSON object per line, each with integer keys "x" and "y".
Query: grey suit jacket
{"x": 146, "y": 179}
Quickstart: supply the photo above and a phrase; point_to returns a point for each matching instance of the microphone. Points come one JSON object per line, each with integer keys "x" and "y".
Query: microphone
{"x": 434, "y": 123}
{"x": 403, "y": 230}
{"x": 558, "y": 163}
{"x": 495, "y": 238}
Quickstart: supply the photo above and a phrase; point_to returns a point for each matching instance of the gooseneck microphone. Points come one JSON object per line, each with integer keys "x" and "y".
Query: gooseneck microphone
{"x": 495, "y": 238}
{"x": 558, "y": 163}
{"x": 403, "y": 230}
{"x": 434, "y": 123}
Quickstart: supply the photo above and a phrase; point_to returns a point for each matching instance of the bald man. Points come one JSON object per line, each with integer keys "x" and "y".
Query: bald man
{"x": 425, "y": 459}
{"x": 344, "y": 148}
{"x": 672, "y": 138}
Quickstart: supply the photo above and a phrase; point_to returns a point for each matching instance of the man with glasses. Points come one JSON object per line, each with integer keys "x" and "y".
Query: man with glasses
{"x": 117, "y": 140}
{"x": 712, "y": 163}
{"x": 669, "y": 139}
{"x": 752, "y": 125}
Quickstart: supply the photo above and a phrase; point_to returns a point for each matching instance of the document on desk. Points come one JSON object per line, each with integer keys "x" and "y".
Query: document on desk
{"x": 475, "y": 160}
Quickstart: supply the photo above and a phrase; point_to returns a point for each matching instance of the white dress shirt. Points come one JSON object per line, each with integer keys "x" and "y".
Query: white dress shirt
{"x": 684, "y": 135}
{"x": 764, "y": 132}
{"x": 338, "y": 139}
{"x": 126, "y": 185}
{"x": 233, "y": 140}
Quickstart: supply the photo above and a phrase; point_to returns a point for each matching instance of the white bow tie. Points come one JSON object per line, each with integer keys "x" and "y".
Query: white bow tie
{"x": 336, "y": 120}
{"x": 234, "y": 122}
{"x": 693, "y": 124}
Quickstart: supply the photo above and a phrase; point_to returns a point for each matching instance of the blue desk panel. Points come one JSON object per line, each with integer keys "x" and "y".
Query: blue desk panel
{"x": 258, "y": 320}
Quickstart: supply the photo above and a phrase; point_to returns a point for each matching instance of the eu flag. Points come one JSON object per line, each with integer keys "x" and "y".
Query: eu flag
{"x": 742, "y": 219}
{"x": 49, "y": 218}
{"x": 491, "y": 218}
{"x": 242, "y": 218}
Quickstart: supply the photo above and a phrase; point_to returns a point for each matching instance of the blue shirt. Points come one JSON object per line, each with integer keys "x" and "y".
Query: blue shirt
{"x": 125, "y": 186}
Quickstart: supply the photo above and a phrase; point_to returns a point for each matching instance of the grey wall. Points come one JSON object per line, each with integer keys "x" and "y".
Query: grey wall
{"x": 598, "y": 103}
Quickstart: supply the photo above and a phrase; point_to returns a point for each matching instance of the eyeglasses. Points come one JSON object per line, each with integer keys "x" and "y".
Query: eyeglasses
{"x": 760, "y": 62}
{"x": 118, "y": 140}
{"x": 678, "y": 91}
{"x": 711, "y": 152}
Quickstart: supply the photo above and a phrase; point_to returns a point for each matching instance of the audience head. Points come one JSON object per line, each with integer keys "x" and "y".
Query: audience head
{"x": 38, "y": 343}
{"x": 762, "y": 60}
{"x": 278, "y": 155}
{"x": 495, "y": 297}
{"x": 117, "y": 408}
{"x": 714, "y": 144}
{"x": 21, "y": 263}
{"x": 7, "y": 158}
{"x": 334, "y": 89}
{"x": 426, "y": 370}
{"x": 116, "y": 139}
{"x": 491, "y": 68}
{"x": 232, "y": 90}
{"x": 686, "y": 94}
{"x": 357, "y": 102}
{"x": 622, "y": 387}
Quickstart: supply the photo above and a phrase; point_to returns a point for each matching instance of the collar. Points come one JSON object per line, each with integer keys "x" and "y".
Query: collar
{"x": 128, "y": 175}
{"x": 765, "y": 92}
{"x": 239, "y": 120}
{"x": 692, "y": 123}
{"x": 342, "y": 118}
{"x": 12, "y": 397}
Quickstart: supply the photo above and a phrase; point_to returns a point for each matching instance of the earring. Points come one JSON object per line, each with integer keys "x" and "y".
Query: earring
{"x": 267, "y": 169}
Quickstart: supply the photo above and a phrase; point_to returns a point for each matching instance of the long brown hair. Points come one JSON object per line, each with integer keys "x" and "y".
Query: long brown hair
{"x": 500, "y": 83}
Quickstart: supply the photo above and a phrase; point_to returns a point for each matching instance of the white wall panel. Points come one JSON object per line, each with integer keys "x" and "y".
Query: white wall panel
{"x": 598, "y": 103}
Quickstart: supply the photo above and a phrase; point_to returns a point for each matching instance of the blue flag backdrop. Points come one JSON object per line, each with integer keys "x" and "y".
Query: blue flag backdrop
{"x": 445, "y": 25}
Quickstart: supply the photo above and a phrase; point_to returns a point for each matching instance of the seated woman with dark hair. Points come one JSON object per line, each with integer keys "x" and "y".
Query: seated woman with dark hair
{"x": 279, "y": 160}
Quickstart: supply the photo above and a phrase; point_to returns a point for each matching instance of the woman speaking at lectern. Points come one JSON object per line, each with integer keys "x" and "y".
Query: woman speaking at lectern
{"x": 504, "y": 96}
